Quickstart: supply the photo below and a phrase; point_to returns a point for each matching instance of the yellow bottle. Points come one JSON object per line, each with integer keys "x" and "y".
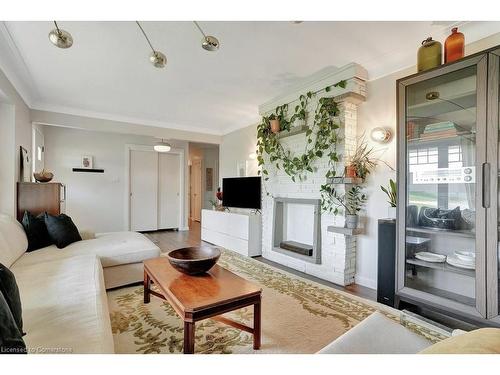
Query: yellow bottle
{"x": 429, "y": 55}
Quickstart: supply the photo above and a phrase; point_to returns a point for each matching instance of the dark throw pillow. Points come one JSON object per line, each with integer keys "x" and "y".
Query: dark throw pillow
{"x": 10, "y": 291}
{"x": 62, "y": 230}
{"x": 11, "y": 341}
{"x": 36, "y": 231}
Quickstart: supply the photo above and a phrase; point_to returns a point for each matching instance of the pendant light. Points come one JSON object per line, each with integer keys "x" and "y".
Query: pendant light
{"x": 60, "y": 38}
{"x": 208, "y": 43}
{"x": 162, "y": 146}
{"x": 158, "y": 59}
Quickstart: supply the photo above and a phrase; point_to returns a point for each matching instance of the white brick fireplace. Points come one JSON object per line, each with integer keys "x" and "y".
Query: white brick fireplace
{"x": 337, "y": 260}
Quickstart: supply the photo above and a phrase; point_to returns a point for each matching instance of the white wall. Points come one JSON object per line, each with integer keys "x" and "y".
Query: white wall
{"x": 96, "y": 201}
{"x": 7, "y": 159}
{"x": 235, "y": 147}
{"x": 16, "y": 131}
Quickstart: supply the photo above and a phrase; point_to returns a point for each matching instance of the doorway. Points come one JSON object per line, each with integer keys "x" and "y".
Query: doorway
{"x": 196, "y": 190}
{"x": 155, "y": 190}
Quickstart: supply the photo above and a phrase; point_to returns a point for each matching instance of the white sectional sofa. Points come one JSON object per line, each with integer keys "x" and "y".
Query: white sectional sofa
{"x": 63, "y": 291}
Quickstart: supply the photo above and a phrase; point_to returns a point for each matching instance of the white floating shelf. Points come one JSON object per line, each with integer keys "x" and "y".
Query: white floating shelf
{"x": 345, "y": 231}
{"x": 345, "y": 180}
{"x": 293, "y": 131}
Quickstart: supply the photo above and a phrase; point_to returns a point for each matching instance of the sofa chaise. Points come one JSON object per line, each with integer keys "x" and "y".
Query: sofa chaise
{"x": 63, "y": 291}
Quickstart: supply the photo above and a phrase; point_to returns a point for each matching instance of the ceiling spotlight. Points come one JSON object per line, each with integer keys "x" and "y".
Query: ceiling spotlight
{"x": 158, "y": 59}
{"x": 208, "y": 43}
{"x": 162, "y": 146}
{"x": 60, "y": 38}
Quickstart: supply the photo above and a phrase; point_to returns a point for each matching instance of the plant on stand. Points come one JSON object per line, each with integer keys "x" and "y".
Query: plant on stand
{"x": 350, "y": 202}
{"x": 391, "y": 193}
{"x": 363, "y": 161}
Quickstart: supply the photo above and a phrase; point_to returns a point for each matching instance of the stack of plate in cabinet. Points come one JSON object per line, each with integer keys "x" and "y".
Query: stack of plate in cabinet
{"x": 462, "y": 259}
{"x": 430, "y": 257}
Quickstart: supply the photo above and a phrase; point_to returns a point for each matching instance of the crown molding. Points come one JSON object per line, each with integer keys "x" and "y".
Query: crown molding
{"x": 123, "y": 119}
{"x": 14, "y": 67}
{"x": 328, "y": 76}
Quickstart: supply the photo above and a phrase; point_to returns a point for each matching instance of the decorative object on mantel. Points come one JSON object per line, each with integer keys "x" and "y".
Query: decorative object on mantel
{"x": 43, "y": 176}
{"x": 429, "y": 55}
{"x": 454, "y": 46}
{"x": 391, "y": 193}
{"x": 87, "y": 162}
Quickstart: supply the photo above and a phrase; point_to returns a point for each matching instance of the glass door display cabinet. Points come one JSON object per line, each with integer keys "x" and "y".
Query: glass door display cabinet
{"x": 448, "y": 172}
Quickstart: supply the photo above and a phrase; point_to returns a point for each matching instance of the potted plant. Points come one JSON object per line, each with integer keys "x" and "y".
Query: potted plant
{"x": 214, "y": 204}
{"x": 391, "y": 193}
{"x": 274, "y": 123}
{"x": 353, "y": 203}
{"x": 350, "y": 202}
{"x": 363, "y": 161}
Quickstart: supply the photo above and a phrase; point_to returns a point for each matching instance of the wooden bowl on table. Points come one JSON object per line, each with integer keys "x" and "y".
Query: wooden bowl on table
{"x": 194, "y": 260}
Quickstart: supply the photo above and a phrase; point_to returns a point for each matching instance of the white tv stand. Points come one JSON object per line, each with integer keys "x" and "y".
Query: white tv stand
{"x": 237, "y": 231}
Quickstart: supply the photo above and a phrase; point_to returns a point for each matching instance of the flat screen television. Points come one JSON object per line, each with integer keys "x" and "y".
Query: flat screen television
{"x": 241, "y": 192}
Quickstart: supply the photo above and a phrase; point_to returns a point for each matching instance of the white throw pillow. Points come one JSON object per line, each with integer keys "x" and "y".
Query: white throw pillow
{"x": 13, "y": 240}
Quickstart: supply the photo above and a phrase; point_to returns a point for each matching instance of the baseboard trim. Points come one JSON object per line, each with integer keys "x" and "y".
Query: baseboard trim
{"x": 183, "y": 228}
{"x": 365, "y": 281}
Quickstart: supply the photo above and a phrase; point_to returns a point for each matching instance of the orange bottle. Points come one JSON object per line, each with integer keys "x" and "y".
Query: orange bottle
{"x": 454, "y": 46}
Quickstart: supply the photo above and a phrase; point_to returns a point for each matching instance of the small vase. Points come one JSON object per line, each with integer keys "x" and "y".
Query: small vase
{"x": 454, "y": 46}
{"x": 275, "y": 126}
{"x": 429, "y": 55}
{"x": 351, "y": 221}
{"x": 350, "y": 171}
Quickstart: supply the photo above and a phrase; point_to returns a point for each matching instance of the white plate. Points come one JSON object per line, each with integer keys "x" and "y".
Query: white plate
{"x": 457, "y": 262}
{"x": 416, "y": 240}
{"x": 430, "y": 257}
{"x": 467, "y": 256}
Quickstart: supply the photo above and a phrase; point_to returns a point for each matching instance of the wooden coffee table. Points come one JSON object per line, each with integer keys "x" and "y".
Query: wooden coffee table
{"x": 195, "y": 298}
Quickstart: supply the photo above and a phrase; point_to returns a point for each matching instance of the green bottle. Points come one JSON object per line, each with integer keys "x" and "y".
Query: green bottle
{"x": 429, "y": 55}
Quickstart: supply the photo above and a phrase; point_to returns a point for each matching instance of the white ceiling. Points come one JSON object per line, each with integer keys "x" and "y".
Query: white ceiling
{"x": 107, "y": 74}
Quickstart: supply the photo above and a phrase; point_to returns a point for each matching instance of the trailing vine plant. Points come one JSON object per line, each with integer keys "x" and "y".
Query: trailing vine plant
{"x": 321, "y": 139}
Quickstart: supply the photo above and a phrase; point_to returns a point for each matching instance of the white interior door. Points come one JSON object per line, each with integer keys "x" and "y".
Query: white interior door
{"x": 196, "y": 190}
{"x": 143, "y": 190}
{"x": 169, "y": 191}
{"x": 38, "y": 150}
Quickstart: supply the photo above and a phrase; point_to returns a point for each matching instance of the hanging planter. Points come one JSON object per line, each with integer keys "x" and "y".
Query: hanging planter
{"x": 275, "y": 125}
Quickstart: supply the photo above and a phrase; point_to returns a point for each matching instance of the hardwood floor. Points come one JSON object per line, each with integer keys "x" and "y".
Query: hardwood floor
{"x": 168, "y": 240}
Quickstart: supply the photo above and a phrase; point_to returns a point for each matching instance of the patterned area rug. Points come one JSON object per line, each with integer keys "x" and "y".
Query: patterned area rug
{"x": 298, "y": 316}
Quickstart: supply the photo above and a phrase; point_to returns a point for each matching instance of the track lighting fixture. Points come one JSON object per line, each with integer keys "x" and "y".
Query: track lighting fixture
{"x": 158, "y": 59}
{"x": 60, "y": 38}
{"x": 209, "y": 43}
